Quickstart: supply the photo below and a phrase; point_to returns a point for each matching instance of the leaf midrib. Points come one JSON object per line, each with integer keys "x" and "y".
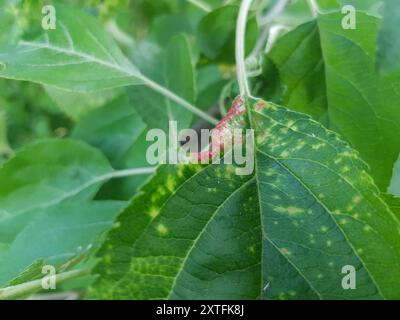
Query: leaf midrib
{"x": 217, "y": 210}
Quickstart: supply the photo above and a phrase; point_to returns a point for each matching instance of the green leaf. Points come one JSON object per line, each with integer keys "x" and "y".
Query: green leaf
{"x": 32, "y": 272}
{"x": 77, "y": 55}
{"x": 393, "y": 203}
{"x": 117, "y": 130}
{"x": 113, "y": 128}
{"x": 10, "y": 24}
{"x": 388, "y": 55}
{"x": 210, "y": 84}
{"x": 44, "y": 175}
{"x": 216, "y": 34}
{"x": 58, "y": 235}
{"x": 298, "y": 57}
{"x": 166, "y": 27}
{"x": 284, "y": 232}
{"x": 135, "y": 157}
{"x": 77, "y": 104}
{"x": 370, "y": 6}
{"x": 362, "y": 105}
{"x": 172, "y": 68}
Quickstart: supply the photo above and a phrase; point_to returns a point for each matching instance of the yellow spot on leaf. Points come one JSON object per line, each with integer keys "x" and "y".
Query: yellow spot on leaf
{"x": 290, "y": 210}
{"x": 285, "y": 252}
{"x": 318, "y": 146}
{"x": 153, "y": 212}
{"x": 329, "y": 243}
{"x": 162, "y": 229}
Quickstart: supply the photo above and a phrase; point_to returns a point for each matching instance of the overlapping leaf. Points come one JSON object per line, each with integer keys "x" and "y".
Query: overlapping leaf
{"x": 362, "y": 105}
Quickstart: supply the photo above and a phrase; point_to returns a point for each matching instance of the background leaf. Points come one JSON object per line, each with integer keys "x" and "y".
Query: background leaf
{"x": 361, "y": 104}
{"x": 58, "y": 235}
{"x": 113, "y": 128}
{"x": 298, "y": 57}
{"x": 43, "y": 175}
{"x": 388, "y": 55}
{"x": 216, "y": 34}
{"x": 173, "y": 68}
{"x": 77, "y": 55}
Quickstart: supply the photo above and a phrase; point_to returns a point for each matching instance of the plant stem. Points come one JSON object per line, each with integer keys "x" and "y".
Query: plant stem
{"x": 131, "y": 172}
{"x": 119, "y": 34}
{"x": 313, "y": 7}
{"x": 185, "y": 104}
{"x": 201, "y": 5}
{"x": 27, "y": 288}
{"x": 265, "y": 22}
{"x": 274, "y": 12}
{"x": 240, "y": 48}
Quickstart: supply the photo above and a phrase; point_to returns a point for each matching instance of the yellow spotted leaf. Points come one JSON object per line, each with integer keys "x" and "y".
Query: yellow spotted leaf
{"x": 306, "y": 224}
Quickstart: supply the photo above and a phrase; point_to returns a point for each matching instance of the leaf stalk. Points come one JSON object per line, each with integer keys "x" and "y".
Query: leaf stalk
{"x": 240, "y": 48}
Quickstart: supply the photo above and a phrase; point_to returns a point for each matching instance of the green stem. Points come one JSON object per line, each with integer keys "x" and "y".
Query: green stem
{"x": 265, "y": 22}
{"x": 24, "y": 289}
{"x": 313, "y": 7}
{"x": 172, "y": 96}
{"x": 240, "y": 48}
{"x": 201, "y": 5}
{"x": 274, "y": 12}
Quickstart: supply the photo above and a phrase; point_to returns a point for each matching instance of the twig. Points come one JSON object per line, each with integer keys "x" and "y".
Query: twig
{"x": 185, "y": 104}
{"x": 119, "y": 34}
{"x": 313, "y": 7}
{"x": 274, "y": 12}
{"x": 27, "y": 288}
{"x": 201, "y": 5}
{"x": 265, "y": 22}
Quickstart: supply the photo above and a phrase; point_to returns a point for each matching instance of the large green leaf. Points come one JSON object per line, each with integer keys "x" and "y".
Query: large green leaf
{"x": 58, "y": 235}
{"x": 284, "y": 232}
{"x": 362, "y": 105}
{"x": 77, "y": 55}
{"x": 44, "y": 175}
